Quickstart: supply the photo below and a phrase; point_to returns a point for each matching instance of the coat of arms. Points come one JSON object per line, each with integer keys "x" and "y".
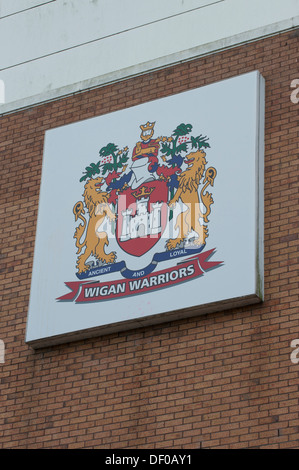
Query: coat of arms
{"x": 152, "y": 198}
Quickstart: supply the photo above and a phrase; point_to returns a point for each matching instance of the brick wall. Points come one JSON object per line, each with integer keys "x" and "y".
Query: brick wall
{"x": 222, "y": 380}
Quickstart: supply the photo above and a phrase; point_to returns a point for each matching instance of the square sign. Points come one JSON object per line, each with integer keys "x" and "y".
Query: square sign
{"x": 150, "y": 214}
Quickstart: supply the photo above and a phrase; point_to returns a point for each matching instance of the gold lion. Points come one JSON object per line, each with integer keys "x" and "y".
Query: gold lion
{"x": 96, "y": 202}
{"x": 187, "y": 192}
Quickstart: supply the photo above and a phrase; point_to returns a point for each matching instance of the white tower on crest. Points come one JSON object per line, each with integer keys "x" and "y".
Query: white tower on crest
{"x": 144, "y": 223}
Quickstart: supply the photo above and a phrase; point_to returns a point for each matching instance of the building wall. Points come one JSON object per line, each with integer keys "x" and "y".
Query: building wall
{"x": 56, "y": 47}
{"x": 222, "y": 380}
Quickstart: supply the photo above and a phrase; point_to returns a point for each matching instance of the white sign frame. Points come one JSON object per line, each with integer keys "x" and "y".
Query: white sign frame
{"x": 231, "y": 114}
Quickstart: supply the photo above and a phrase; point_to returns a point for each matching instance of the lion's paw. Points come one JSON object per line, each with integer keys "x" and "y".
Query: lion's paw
{"x": 109, "y": 259}
{"x": 171, "y": 244}
{"x": 82, "y": 269}
{"x": 112, "y": 217}
{"x": 204, "y": 234}
{"x": 172, "y": 203}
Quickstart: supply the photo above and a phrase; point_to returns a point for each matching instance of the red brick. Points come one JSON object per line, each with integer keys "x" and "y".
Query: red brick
{"x": 223, "y": 380}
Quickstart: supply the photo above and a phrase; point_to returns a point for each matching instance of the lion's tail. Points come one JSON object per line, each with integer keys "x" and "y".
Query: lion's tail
{"x": 78, "y": 211}
{"x": 206, "y": 197}
{"x": 207, "y": 200}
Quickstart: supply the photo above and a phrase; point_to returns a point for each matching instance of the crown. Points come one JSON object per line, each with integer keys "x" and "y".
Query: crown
{"x": 148, "y": 126}
{"x": 142, "y": 192}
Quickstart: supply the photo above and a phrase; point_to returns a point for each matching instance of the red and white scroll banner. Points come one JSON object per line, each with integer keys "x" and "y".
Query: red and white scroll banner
{"x": 90, "y": 291}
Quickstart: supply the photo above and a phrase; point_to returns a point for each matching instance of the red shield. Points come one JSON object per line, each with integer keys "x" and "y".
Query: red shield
{"x": 141, "y": 217}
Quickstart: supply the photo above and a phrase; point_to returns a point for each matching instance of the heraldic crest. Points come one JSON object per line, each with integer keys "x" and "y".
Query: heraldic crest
{"x": 151, "y": 197}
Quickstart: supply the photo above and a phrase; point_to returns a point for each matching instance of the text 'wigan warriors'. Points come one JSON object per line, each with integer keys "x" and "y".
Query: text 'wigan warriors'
{"x": 162, "y": 278}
